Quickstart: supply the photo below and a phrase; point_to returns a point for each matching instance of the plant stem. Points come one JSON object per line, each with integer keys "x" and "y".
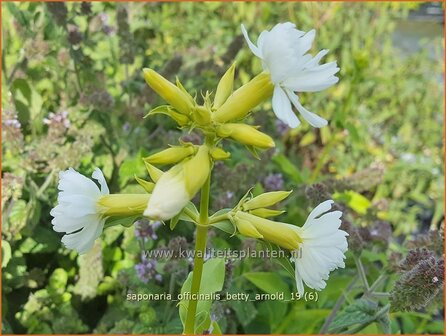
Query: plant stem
{"x": 337, "y": 306}
{"x": 200, "y": 246}
{"x": 361, "y": 272}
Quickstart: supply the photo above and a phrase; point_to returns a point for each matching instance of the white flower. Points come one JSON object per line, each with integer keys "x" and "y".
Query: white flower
{"x": 77, "y": 213}
{"x": 283, "y": 53}
{"x": 322, "y": 248}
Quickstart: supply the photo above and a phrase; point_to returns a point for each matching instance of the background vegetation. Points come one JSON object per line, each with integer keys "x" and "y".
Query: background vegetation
{"x": 73, "y": 96}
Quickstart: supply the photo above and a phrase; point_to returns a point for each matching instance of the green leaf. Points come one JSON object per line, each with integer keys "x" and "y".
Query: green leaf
{"x": 268, "y": 282}
{"x": 288, "y": 168}
{"x": 253, "y": 151}
{"x": 225, "y": 225}
{"x": 245, "y": 311}
{"x": 360, "y": 311}
{"x": 212, "y": 280}
{"x": 6, "y": 253}
{"x": 90, "y": 274}
{"x": 354, "y": 200}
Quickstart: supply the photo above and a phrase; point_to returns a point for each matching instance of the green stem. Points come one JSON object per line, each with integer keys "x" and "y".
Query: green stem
{"x": 361, "y": 272}
{"x": 337, "y": 306}
{"x": 200, "y": 246}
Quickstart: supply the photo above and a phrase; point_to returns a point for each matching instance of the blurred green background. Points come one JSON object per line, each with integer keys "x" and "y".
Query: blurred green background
{"x": 73, "y": 96}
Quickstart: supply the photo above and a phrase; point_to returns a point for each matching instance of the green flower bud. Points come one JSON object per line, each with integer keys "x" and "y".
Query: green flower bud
{"x": 171, "y": 93}
{"x": 171, "y": 155}
{"x": 225, "y": 87}
{"x": 265, "y": 200}
{"x": 246, "y": 135}
{"x": 266, "y": 213}
{"x": 243, "y": 100}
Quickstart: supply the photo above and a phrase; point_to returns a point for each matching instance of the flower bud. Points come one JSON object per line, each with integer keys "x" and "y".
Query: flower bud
{"x": 265, "y": 200}
{"x": 123, "y": 204}
{"x": 243, "y": 100}
{"x": 178, "y": 186}
{"x": 171, "y": 155}
{"x": 219, "y": 154}
{"x": 246, "y": 135}
{"x": 225, "y": 87}
{"x": 171, "y": 93}
{"x": 265, "y": 213}
{"x": 282, "y": 234}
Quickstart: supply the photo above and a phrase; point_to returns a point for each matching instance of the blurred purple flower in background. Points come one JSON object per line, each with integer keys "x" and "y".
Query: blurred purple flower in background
{"x": 144, "y": 229}
{"x": 273, "y": 182}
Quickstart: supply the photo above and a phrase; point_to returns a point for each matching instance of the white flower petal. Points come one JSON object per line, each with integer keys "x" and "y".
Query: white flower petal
{"x": 313, "y": 119}
{"x": 83, "y": 240}
{"x": 73, "y": 182}
{"x": 315, "y": 79}
{"x": 299, "y": 282}
{"x": 316, "y": 59}
{"x": 251, "y": 45}
{"x": 99, "y": 176}
{"x": 282, "y": 108}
